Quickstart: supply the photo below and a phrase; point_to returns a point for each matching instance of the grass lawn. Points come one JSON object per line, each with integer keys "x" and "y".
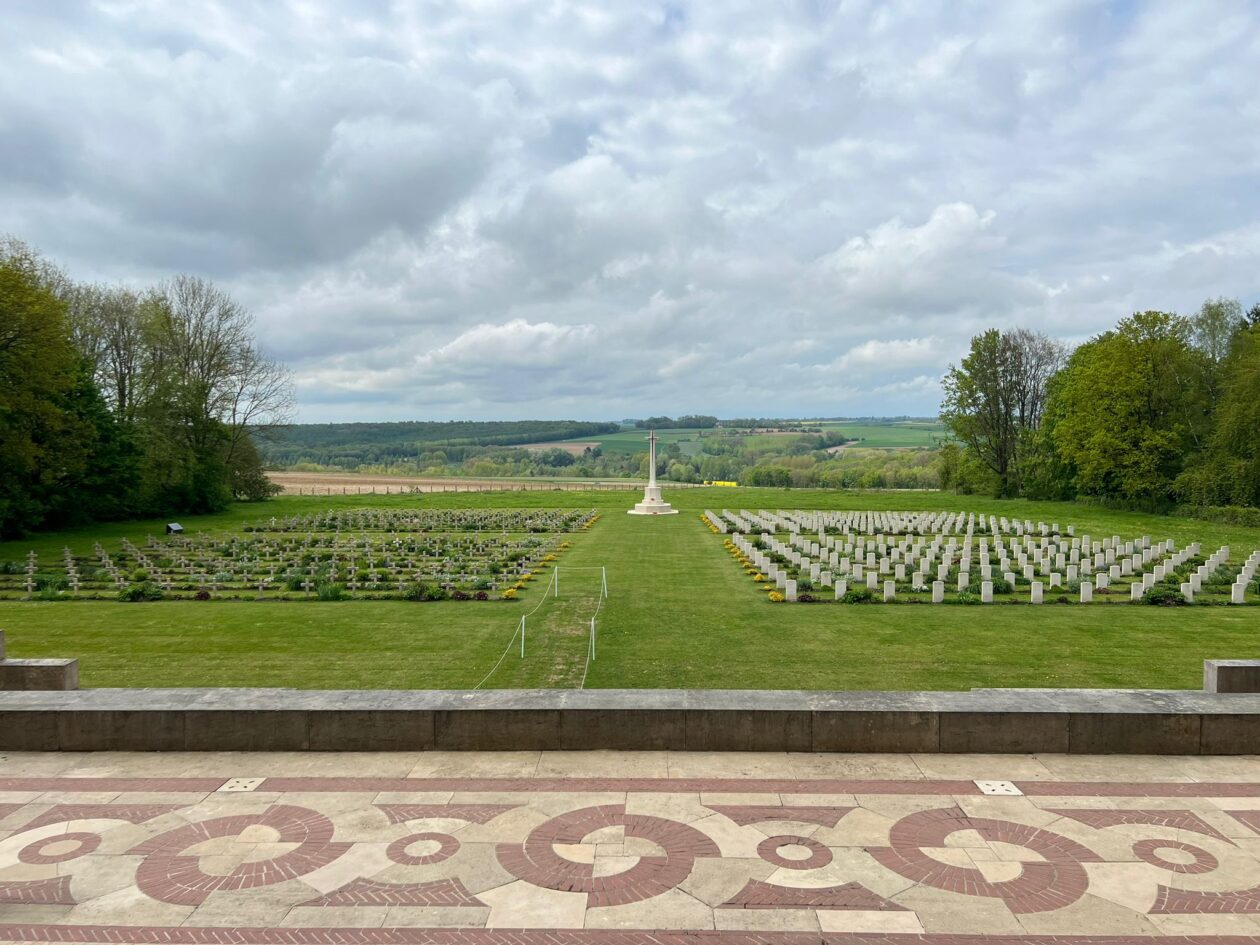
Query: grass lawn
{"x": 680, "y": 613}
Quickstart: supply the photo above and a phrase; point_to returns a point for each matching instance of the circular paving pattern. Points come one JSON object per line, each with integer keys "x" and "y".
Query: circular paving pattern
{"x": 777, "y": 850}
{"x": 1199, "y": 860}
{"x": 167, "y": 874}
{"x": 1055, "y": 881}
{"x": 81, "y": 844}
{"x": 536, "y": 860}
{"x": 446, "y": 848}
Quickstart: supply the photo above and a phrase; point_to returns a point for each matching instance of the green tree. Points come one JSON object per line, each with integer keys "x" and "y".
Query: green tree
{"x": 37, "y": 371}
{"x": 996, "y": 397}
{"x": 1229, "y": 471}
{"x": 1130, "y": 407}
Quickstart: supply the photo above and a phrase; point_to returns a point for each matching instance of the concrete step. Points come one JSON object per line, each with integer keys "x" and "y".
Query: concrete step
{"x": 28, "y": 675}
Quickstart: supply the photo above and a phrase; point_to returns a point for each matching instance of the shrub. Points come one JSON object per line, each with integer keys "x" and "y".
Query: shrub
{"x": 134, "y": 593}
{"x": 51, "y": 593}
{"x": 1161, "y": 595}
{"x": 481, "y": 595}
{"x": 139, "y": 575}
{"x": 423, "y": 591}
{"x": 330, "y": 591}
{"x": 11, "y": 567}
{"x": 51, "y": 582}
{"x": 202, "y": 595}
{"x": 966, "y": 597}
{"x": 858, "y": 595}
{"x": 293, "y": 581}
{"x": 1002, "y": 586}
{"x": 222, "y": 578}
{"x": 482, "y": 585}
{"x": 804, "y": 585}
{"x": 457, "y": 594}
{"x": 805, "y": 598}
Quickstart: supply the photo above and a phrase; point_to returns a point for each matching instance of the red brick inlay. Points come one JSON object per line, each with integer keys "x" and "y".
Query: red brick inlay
{"x": 447, "y": 847}
{"x": 132, "y": 813}
{"x": 745, "y": 814}
{"x": 924, "y": 787}
{"x": 34, "y": 852}
{"x": 7, "y": 809}
{"x": 536, "y": 860}
{"x": 1177, "y": 819}
{"x": 167, "y": 876}
{"x": 37, "y": 892}
{"x": 1204, "y": 862}
{"x": 224, "y": 935}
{"x": 851, "y": 896}
{"x": 474, "y": 813}
{"x": 369, "y": 892}
{"x": 1169, "y": 901}
{"x": 768, "y": 850}
{"x": 1041, "y": 887}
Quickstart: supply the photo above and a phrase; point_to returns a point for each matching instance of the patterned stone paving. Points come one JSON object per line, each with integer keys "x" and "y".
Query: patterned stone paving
{"x": 611, "y": 848}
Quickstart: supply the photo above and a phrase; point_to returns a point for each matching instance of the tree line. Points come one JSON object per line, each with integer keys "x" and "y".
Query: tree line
{"x": 117, "y": 403}
{"x": 1160, "y": 410}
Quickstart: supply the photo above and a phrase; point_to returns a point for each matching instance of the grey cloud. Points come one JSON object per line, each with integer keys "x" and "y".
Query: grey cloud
{"x": 484, "y": 209}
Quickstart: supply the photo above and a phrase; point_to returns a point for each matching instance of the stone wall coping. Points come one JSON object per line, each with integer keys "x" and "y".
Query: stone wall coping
{"x": 1050, "y": 701}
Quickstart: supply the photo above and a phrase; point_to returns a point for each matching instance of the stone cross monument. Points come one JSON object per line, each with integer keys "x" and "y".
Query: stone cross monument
{"x": 652, "y": 503}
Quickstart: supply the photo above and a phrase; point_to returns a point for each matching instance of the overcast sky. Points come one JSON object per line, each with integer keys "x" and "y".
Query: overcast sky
{"x": 610, "y": 209}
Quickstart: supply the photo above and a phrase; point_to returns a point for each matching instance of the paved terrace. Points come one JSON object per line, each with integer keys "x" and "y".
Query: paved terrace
{"x": 610, "y": 848}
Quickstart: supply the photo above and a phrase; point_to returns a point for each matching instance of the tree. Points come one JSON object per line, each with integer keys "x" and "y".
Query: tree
{"x": 1130, "y": 407}
{"x": 204, "y": 390}
{"x": 43, "y": 444}
{"x": 1215, "y": 325}
{"x": 996, "y": 398}
{"x": 1229, "y": 472}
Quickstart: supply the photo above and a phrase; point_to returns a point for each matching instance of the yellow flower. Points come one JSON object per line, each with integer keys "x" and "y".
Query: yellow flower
{"x": 774, "y": 597}
{"x": 759, "y": 577}
{"x": 509, "y": 594}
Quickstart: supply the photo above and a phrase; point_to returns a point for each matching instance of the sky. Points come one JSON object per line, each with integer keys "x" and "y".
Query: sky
{"x": 495, "y": 210}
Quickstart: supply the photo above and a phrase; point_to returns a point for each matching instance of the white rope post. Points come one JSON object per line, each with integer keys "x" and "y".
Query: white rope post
{"x": 522, "y": 636}
{"x": 604, "y": 580}
{"x": 555, "y": 578}
{"x": 592, "y": 639}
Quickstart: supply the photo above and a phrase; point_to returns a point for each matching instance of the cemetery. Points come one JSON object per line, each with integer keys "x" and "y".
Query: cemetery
{"x": 943, "y": 557}
{"x": 360, "y": 553}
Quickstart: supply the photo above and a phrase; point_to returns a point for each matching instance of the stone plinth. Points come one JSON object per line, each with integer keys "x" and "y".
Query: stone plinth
{"x": 1231, "y": 675}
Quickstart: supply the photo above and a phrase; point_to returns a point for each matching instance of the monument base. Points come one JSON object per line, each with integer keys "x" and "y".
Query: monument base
{"x": 656, "y": 507}
{"x": 653, "y": 504}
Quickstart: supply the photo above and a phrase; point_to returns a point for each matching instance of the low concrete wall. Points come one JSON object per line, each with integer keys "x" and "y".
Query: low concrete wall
{"x": 1014, "y": 720}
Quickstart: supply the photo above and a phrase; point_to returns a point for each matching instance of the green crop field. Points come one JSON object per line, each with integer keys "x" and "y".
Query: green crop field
{"x": 678, "y": 614}
{"x": 893, "y": 434}
{"x": 635, "y": 441}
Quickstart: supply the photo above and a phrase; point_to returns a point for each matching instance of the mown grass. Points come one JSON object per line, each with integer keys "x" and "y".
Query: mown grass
{"x": 680, "y": 614}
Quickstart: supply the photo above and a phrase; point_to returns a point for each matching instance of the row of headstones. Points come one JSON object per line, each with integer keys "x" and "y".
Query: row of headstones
{"x": 435, "y": 519}
{"x": 922, "y": 556}
{"x": 1237, "y": 591}
{"x": 866, "y": 522}
{"x": 822, "y": 577}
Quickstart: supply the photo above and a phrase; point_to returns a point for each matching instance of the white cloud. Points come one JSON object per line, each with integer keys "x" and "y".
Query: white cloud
{"x": 591, "y": 209}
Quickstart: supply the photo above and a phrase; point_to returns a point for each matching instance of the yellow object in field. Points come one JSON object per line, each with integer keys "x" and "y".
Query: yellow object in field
{"x": 716, "y": 482}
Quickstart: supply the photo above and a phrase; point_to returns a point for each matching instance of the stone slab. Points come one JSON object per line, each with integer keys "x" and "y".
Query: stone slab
{"x": 25, "y": 675}
{"x": 1231, "y": 675}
